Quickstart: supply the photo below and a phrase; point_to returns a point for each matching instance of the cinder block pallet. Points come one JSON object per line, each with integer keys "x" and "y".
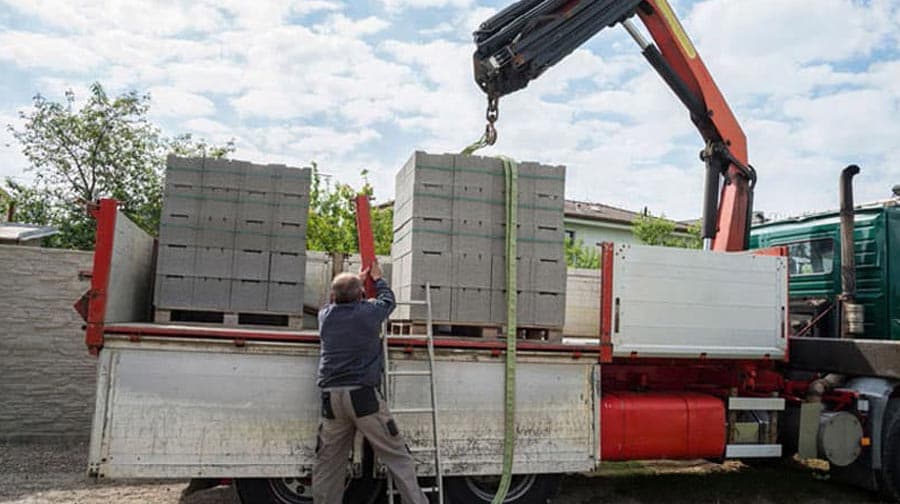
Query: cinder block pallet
{"x": 449, "y": 231}
{"x": 227, "y": 319}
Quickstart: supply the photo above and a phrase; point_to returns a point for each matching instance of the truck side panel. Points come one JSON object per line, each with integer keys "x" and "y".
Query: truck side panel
{"x": 178, "y": 409}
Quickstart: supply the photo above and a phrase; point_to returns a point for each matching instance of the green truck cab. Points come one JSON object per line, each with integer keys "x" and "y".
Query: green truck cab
{"x": 814, "y": 249}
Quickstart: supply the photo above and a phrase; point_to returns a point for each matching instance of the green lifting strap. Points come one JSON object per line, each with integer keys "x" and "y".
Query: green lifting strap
{"x": 510, "y": 169}
{"x": 511, "y": 176}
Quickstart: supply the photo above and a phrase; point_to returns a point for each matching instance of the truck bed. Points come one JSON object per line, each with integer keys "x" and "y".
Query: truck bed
{"x": 192, "y": 403}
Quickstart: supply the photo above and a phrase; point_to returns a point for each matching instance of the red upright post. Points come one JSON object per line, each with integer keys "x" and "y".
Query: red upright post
{"x": 366, "y": 238}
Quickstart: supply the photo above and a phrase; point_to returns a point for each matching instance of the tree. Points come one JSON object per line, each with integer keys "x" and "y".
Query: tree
{"x": 580, "y": 256}
{"x": 332, "y": 217}
{"x": 106, "y": 148}
{"x": 654, "y": 230}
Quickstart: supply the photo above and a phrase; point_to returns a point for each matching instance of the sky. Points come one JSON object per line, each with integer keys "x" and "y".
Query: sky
{"x": 361, "y": 85}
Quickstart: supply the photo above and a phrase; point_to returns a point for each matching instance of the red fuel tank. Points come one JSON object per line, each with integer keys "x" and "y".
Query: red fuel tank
{"x": 676, "y": 425}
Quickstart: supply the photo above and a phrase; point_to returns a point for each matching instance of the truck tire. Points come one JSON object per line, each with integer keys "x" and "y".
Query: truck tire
{"x": 524, "y": 489}
{"x": 299, "y": 491}
{"x": 889, "y": 478}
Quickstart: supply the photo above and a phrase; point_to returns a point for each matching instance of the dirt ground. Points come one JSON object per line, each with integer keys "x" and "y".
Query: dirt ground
{"x": 39, "y": 474}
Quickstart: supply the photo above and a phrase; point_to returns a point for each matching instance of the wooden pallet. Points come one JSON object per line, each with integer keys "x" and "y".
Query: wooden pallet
{"x": 455, "y": 329}
{"x": 228, "y": 319}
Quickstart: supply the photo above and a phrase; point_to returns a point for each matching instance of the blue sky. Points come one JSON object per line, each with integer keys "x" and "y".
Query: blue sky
{"x": 361, "y": 85}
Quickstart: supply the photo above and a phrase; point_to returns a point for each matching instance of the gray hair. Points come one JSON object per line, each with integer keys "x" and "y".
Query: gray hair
{"x": 345, "y": 288}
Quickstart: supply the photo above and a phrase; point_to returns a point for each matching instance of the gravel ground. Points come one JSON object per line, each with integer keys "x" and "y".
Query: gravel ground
{"x": 40, "y": 473}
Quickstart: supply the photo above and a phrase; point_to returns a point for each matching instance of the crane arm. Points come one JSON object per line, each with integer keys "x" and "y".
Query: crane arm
{"x": 519, "y": 43}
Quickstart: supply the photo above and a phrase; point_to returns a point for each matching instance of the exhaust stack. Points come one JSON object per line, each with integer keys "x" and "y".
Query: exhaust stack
{"x": 852, "y": 314}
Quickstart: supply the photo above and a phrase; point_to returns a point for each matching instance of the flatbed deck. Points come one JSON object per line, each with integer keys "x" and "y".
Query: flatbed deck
{"x": 137, "y": 330}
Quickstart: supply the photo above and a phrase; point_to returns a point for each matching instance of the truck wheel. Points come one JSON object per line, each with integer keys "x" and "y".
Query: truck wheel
{"x": 299, "y": 491}
{"x": 890, "y": 454}
{"x": 523, "y": 489}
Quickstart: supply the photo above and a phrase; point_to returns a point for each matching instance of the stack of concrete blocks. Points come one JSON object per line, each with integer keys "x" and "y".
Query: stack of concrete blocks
{"x": 232, "y": 237}
{"x": 449, "y": 231}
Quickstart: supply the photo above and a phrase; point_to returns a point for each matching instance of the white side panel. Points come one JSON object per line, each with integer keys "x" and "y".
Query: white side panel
{"x": 179, "y": 409}
{"x": 130, "y": 273}
{"x": 670, "y": 302}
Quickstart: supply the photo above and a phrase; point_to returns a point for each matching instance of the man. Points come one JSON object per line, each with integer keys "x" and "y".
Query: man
{"x": 350, "y": 368}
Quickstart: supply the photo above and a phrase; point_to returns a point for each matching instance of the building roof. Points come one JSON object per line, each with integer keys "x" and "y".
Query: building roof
{"x": 17, "y": 233}
{"x": 607, "y": 213}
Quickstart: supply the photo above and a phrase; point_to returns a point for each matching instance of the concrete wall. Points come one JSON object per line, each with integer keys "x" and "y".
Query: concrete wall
{"x": 46, "y": 375}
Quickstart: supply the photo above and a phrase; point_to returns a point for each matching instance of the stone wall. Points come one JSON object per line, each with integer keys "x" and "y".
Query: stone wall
{"x": 47, "y": 377}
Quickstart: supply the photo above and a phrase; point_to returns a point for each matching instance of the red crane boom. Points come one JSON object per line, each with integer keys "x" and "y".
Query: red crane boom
{"x": 519, "y": 43}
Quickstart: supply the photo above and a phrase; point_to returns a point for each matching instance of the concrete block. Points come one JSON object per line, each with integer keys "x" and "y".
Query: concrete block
{"x": 285, "y": 297}
{"x": 215, "y": 235}
{"x": 251, "y": 264}
{"x": 291, "y": 180}
{"x": 478, "y": 175}
{"x": 170, "y": 232}
{"x": 246, "y": 237}
{"x": 553, "y": 249}
{"x": 464, "y": 242}
{"x": 549, "y": 309}
{"x": 545, "y": 217}
{"x": 288, "y": 238}
{"x": 290, "y": 207}
{"x": 471, "y": 269}
{"x": 477, "y": 164}
{"x": 287, "y": 267}
{"x": 431, "y": 168}
{"x": 181, "y": 170}
{"x": 259, "y": 179}
{"x": 548, "y": 275}
{"x": 219, "y": 203}
{"x": 248, "y": 295}
{"x": 180, "y": 208}
{"x": 434, "y": 225}
{"x": 176, "y": 260}
{"x": 473, "y": 211}
{"x": 214, "y": 262}
{"x": 211, "y": 294}
{"x": 223, "y": 173}
{"x": 430, "y": 266}
{"x": 173, "y": 291}
{"x": 498, "y": 272}
{"x": 524, "y": 307}
{"x": 440, "y": 303}
{"x": 254, "y": 212}
{"x": 470, "y": 305}
{"x": 552, "y": 234}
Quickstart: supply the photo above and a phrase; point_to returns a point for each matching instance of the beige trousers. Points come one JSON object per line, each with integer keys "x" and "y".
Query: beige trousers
{"x": 344, "y": 410}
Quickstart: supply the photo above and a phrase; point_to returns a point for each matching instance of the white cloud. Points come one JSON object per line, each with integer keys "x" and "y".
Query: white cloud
{"x": 343, "y": 26}
{"x": 173, "y": 102}
{"x": 396, "y": 5}
{"x": 360, "y": 91}
{"x": 38, "y": 51}
{"x": 305, "y": 7}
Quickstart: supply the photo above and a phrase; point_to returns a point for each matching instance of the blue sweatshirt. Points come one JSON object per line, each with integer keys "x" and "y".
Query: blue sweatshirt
{"x": 350, "y": 345}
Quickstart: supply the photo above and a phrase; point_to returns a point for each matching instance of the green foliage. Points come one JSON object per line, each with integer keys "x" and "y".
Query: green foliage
{"x": 654, "y": 230}
{"x": 580, "y": 256}
{"x": 106, "y": 148}
{"x": 332, "y": 217}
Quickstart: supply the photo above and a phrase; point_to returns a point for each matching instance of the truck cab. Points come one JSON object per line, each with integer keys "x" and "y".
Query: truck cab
{"x": 814, "y": 265}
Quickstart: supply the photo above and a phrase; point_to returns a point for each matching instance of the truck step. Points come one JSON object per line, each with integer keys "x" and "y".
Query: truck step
{"x": 409, "y": 373}
{"x": 412, "y": 410}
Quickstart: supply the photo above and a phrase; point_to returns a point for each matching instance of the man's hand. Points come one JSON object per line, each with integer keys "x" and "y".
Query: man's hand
{"x": 373, "y": 272}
